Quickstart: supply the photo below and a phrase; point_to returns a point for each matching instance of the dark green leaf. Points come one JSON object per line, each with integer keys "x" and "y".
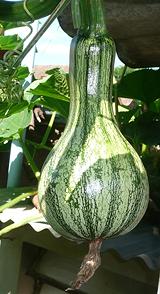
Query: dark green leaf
{"x": 144, "y": 129}
{"x": 155, "y": 106}
{"x": 125, "y": 116}
{"x": 5, "y": 147}
{"x": 118, "y": 72}
{"x": 47, "y": 93}
{"x": 141, "y": 85}
{"x": 60, "y": 106}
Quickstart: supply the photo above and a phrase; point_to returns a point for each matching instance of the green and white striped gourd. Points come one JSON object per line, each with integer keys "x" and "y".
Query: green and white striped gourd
{"x": 93, "y": 184}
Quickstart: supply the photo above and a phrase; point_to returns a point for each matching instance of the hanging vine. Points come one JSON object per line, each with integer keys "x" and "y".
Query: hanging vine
{"x": 11, "y": 90}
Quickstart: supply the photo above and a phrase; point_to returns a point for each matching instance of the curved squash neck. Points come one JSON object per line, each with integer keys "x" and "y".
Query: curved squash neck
{"x": 91, "y": 66}
{"x": 88, "y": 17}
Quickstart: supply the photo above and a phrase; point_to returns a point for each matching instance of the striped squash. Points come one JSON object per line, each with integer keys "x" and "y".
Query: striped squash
{"x": 93, "y": 184}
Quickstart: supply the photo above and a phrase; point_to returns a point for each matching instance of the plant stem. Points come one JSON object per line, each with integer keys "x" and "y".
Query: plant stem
{"x": 38, "y": 146}
{"x": 49, "y": 127}
{"x": 42, "y": 145}
{"x": 13, "y": 202}
{"x": 30, "y": 160}
{"x": 20, "y": 224}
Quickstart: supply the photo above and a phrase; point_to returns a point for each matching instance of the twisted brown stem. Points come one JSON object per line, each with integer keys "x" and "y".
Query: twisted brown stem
{"x": 89, "y": 265}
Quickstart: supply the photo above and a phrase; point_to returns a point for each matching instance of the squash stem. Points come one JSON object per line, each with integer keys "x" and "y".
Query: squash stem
{"x": 89, "y": 265}
{"x": 88, "y": 16}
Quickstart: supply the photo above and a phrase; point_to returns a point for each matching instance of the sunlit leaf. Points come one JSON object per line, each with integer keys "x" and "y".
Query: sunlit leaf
{"x": 9, "y": 42}
{"x": 12, "y": 125}
{"x": 7, "y": 110}
{"x": 22, "y": 72}
{"x": 46, "y": 92}
{"x": 11, "y": 25}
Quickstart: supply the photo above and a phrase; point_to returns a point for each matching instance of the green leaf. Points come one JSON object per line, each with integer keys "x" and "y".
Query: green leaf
{"x": 12, "y": 125}
{"x": 9, "y": 42}
{"x": 7, "y": 110}
{"x": 155, "y": 106}
{"x": 59, "y": 80}
{"x": 55, "y": 85}
{"x": 126, "y": 116}
{"x": 11, "y": 25}
{"x": 141, "y": 85}
{"x": 28, "y": 95}
{"x": 144, "y": 129}
{"x": 22, "y": 72}
{"x": 118, "y": 71}
{"x": 42, "y": 90}
{"x": 5, "y": 147}
{"x": 60, "y": 106}
{"x": 47, "y": 93}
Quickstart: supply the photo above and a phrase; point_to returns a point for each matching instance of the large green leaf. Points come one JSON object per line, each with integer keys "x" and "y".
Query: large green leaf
{"x": 55, "y": 85}
{"x": 52, "y": 92}
{"x": 12, "y": 125}
{"x": 14, "y": 10}
{"x": 119, "y": 71}
{"x": 7, "y": 110}
{"x": 11, "y": 25}
{"x": 48, "y": 91}
{"x": 28, "y": 95}
{"x": 9, "y": 42}
{"x": 155, "y": 106}
{"x": 59, "y": 80}
{"x": 60, "y": 106}
{"x": 141, "y": 85}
